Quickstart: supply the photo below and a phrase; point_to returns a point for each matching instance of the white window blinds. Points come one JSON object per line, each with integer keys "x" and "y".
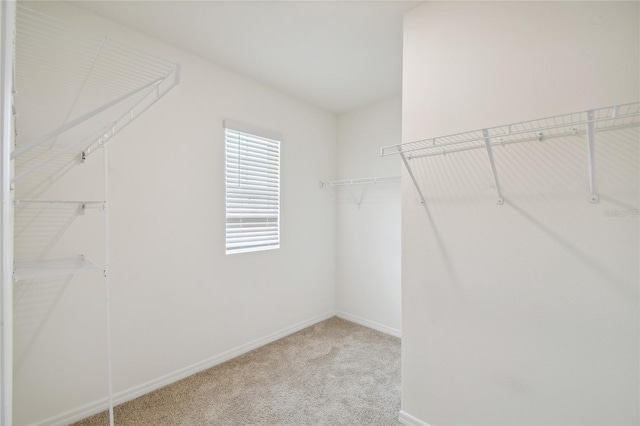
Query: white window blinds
{"x": 252, "y": 176}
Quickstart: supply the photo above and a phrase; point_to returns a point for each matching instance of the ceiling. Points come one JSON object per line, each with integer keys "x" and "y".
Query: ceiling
{"x": 338, "y": 55}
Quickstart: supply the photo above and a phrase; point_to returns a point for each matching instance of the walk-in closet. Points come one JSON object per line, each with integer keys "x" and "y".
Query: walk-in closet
{"x": 331, "y": 213}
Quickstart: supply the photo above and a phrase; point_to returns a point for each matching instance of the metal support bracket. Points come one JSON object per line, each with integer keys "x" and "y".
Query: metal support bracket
{"x": 57, "y": 132}
{"x": 591, "y": 141}
{"x": 487, "y": 143}
{"x": 413, "y": 178}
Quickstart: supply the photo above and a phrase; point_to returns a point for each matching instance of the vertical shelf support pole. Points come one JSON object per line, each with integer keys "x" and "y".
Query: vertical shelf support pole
{"x": 7, "y": 31}
{"x": 105, "y": 151}
{"x": 413, "y": 178}
{"x": 591, "y": 141}
{"x": 487, "y": 143}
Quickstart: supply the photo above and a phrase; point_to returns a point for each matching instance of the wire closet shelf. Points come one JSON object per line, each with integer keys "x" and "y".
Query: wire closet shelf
{"x": 582, "y": 122}
{"x": 73, "y": 92}
{"x": 78, "y": 89}
{"x": 359, "y": 181}
{"x": 51, "y": 268}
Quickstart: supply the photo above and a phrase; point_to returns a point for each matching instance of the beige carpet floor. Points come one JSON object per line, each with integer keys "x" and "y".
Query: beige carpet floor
{"x": 333, "y": 373}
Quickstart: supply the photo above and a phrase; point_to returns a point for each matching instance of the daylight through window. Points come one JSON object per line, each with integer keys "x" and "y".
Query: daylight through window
{"x": 252, "y": 192}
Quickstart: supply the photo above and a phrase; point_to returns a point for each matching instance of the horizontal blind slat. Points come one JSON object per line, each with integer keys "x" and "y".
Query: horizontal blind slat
{"x": 234, "y": 135}
{"x": 251, "y": 150}
{"x": 252, "y": 180}
{"x": 249, "y": 165}
{"x": 247, "y": 244}
{"x": 253, "y": 237}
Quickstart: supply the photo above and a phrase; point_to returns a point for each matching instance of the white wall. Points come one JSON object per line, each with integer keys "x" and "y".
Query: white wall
{"x": 368, "y": 234}
{"x": 7, "y": 10}
{"x": 177, "y": 299}
{"x": 525, "y": 313}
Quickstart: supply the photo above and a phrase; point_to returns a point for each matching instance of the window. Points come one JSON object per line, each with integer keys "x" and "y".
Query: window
{"x": 252, "y": 174}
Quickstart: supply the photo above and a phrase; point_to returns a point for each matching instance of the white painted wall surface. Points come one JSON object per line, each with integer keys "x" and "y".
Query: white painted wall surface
{"x": 525, "y": 313}
{"x": 7, "y": 26}
{"x": 368, "y": 235}
{"x": 177, "y": 300}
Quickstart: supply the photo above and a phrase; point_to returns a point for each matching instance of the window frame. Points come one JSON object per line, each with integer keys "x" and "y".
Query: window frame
{"x": 260, "y": 169}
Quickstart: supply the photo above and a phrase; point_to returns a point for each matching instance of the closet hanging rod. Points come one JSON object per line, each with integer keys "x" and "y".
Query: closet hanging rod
{"x": 102, "y": 85}
{"x": 57, "y": 132}
{"x": 608, "y": 117}
{"x": 585, "y": 122}
{"x": 360, "y": 181}
{"x": 499, "y": 143}
{"x": 17, "y": 201}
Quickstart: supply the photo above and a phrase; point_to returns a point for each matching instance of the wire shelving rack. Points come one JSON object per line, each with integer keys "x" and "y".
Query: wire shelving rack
{"x": 359, "y": 181}
{"x": 93, "y": 88}
{"x": 72, "y": 92}
{"x": 585, "y": 123}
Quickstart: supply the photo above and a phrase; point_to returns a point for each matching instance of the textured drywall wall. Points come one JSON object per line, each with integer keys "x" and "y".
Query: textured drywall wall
{"x": 176, "y": 298}
{"x": 525, "y": 313}
{"x": 368, "y": 217}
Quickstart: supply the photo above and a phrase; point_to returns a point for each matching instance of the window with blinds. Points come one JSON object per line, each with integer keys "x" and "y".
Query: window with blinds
{"x": 252, "y": 174}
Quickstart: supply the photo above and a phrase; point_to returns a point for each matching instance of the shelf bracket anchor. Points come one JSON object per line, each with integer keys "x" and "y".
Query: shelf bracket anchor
{"x": 487, "y": 143}
{"x": 413, "y": 178}
{"x": 591, "y": 141}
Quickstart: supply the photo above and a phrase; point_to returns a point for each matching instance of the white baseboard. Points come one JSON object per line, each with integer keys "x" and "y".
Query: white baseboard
{"x": 408, "y": 420}
{"x": 96, "y": 407}
{"x": 371, "y": 324}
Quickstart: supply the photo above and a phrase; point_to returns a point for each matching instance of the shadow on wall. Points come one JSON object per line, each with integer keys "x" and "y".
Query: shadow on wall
{"x": 39, "y": 228}
{"x": 445, "y": 254}
{"x": 34, "y": 303}
{"x": 36, "y": 173}
{"x": 44, "y": 232}
{"x": 590, "y": 262}
{"x": 545, "y": 170}
{"x": 545, "y": 186}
